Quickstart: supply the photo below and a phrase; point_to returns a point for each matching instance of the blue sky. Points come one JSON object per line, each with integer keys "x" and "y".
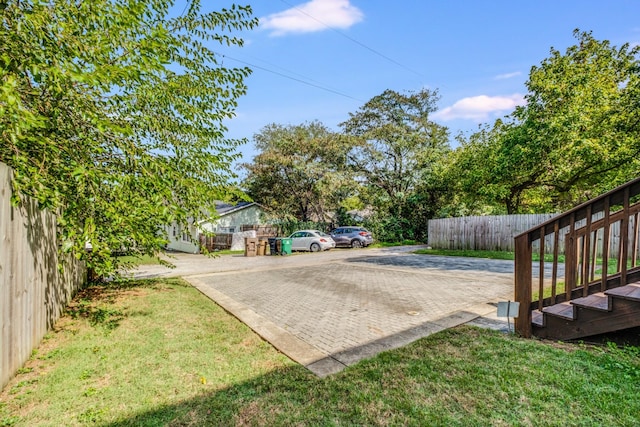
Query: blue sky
{"x": 323, "y": 59}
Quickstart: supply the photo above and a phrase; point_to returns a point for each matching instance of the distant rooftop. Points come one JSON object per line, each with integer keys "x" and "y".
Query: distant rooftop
{"x": 223, "y": 208}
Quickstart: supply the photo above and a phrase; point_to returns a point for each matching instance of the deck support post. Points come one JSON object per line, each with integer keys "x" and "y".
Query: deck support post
{"x": 523, "y": 267}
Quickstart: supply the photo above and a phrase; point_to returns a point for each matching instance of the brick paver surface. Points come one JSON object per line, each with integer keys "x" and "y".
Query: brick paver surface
{"x": 339, "y": 303}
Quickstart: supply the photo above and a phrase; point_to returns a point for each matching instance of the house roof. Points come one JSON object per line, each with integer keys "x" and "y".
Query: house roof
{"x": 223, "y": 208}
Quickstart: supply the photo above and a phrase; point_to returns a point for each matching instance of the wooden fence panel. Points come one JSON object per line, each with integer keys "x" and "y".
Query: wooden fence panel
{"x": 492, "y": 233}
{"x": 217, "y": 242}
{"x": 262, "y": 230}
{"x": 33, "y": 291}
{"x": 497, "y": 232}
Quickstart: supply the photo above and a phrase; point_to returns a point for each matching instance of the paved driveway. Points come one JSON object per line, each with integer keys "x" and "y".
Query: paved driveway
{"x": 329, "y": 310}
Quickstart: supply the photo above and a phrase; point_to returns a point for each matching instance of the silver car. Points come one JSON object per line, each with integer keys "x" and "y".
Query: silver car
{"x": 351, "y": 236}
{"x": 311, "y": 240}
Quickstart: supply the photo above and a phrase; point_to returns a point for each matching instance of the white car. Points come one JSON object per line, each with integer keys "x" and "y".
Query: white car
{"x": 311, "y": 240}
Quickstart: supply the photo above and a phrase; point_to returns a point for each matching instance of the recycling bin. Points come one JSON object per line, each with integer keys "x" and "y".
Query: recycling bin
{"x": 286, "y": 246}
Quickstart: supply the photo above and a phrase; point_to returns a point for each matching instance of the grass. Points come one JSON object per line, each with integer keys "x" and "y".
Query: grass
{"x": 390, "y": 244}
{"x": 154, "y": 353}
{"x": 227, "y": 252}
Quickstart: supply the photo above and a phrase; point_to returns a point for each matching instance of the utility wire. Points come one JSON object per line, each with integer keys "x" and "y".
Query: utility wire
{"x": 185, "y": 9}
{"x": 290, "y": 72}
{"x": 352, "y": 39}
{"x": 291, "y": 78}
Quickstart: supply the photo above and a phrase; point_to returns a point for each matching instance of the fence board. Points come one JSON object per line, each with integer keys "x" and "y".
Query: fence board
{"x": 492, "y": 233}
{"x": 33, "y": 292}
{"x": 217, "y": 242}
{"x": 496, "y": 233}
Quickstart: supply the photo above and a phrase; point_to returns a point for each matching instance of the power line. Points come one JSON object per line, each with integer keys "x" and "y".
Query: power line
{"x": 185, "y": 9}
{"x": 290, "y": 72}
{"x": 352, "y": 39}
{"x": 306, "y": 82}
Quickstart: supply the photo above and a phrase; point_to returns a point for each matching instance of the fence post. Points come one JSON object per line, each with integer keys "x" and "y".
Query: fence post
{"x": 523, "y": 284}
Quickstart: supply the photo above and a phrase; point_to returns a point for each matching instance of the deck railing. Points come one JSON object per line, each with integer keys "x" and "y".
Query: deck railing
{"x": 600, "y": 252}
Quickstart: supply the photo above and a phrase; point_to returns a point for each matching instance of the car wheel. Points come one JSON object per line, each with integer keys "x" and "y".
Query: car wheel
{"x": 356, "y": 244}
{"x": 314, "y": 247}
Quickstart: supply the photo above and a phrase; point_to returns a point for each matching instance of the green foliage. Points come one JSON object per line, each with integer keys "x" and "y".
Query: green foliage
{"x": 111, "y": 114}
{"x": 300, "y": 171}
{"x": 396, "y": 153}
{"x": 577, "y": 136}
{"x": 495, "y": 167}
{"x": 583, "y": 110}
{"x": 288, "y": 226}
{"x": 388, "y": 228}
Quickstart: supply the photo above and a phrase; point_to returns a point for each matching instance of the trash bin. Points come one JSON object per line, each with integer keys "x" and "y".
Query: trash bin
{"x": 250, "y": 246}
{"x": 286, "y": 246}
{"x": 273, "y": 250}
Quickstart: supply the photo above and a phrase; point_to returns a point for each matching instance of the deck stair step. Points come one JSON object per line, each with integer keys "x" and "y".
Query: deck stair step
{"x": 598, "y": 301}
{"x": 564, "y": 310}
{"x": 629, "y": 292}
{"x": 598, "y": 313}
{"x": 537, "y": 318}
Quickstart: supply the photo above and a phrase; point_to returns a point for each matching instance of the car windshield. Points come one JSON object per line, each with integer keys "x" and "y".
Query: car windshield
{"x": 321, "y": 234}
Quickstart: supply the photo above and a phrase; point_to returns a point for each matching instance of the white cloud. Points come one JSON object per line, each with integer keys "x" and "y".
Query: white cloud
{"x": 315, "y": 15}
{"x": 480, "y": 108}
{"x": 507, "y": 75}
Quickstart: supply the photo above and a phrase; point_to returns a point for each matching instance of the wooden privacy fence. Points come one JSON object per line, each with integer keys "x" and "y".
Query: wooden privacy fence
{"x": 262, "y": 230}
{"x": 218, "y": 242}
{"x": 33, "y": 291}
{"x": 491, "y": 233}
{"x": 222, "y": 241}
{"x": 497, "y": 233}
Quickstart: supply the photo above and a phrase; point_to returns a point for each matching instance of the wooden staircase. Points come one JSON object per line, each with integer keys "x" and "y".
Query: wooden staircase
{"x": 599, "y": 313}
{"x": 600, "y": 288}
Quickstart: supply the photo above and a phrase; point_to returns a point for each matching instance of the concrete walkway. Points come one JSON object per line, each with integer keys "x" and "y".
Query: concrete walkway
{"x": 329, "y": 310}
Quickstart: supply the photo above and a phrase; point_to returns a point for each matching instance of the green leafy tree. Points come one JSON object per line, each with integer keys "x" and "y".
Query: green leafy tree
{"x": 495, "y": 168}
{"x": 396, "y": 147}
{"x": 582, "y": 109}
{"x": 577, "y": 136}
{"x": 299, "y": 172}
{"x": 111, "y": 113}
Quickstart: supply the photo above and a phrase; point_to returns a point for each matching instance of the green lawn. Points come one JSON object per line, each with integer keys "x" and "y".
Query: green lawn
{"x": 155, "y": 353}
{"x": 391, "y": 244}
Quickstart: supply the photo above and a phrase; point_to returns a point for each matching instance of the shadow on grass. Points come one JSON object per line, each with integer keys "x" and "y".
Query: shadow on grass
{"x": 266, "y": 400}
{"x": 95, "y": 302}
{"x": 388, "y": 389}
{"x": 459, "y": 377}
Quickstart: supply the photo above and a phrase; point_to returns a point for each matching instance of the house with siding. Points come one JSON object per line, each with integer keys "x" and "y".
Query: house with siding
{"x": 230, "y": 219}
